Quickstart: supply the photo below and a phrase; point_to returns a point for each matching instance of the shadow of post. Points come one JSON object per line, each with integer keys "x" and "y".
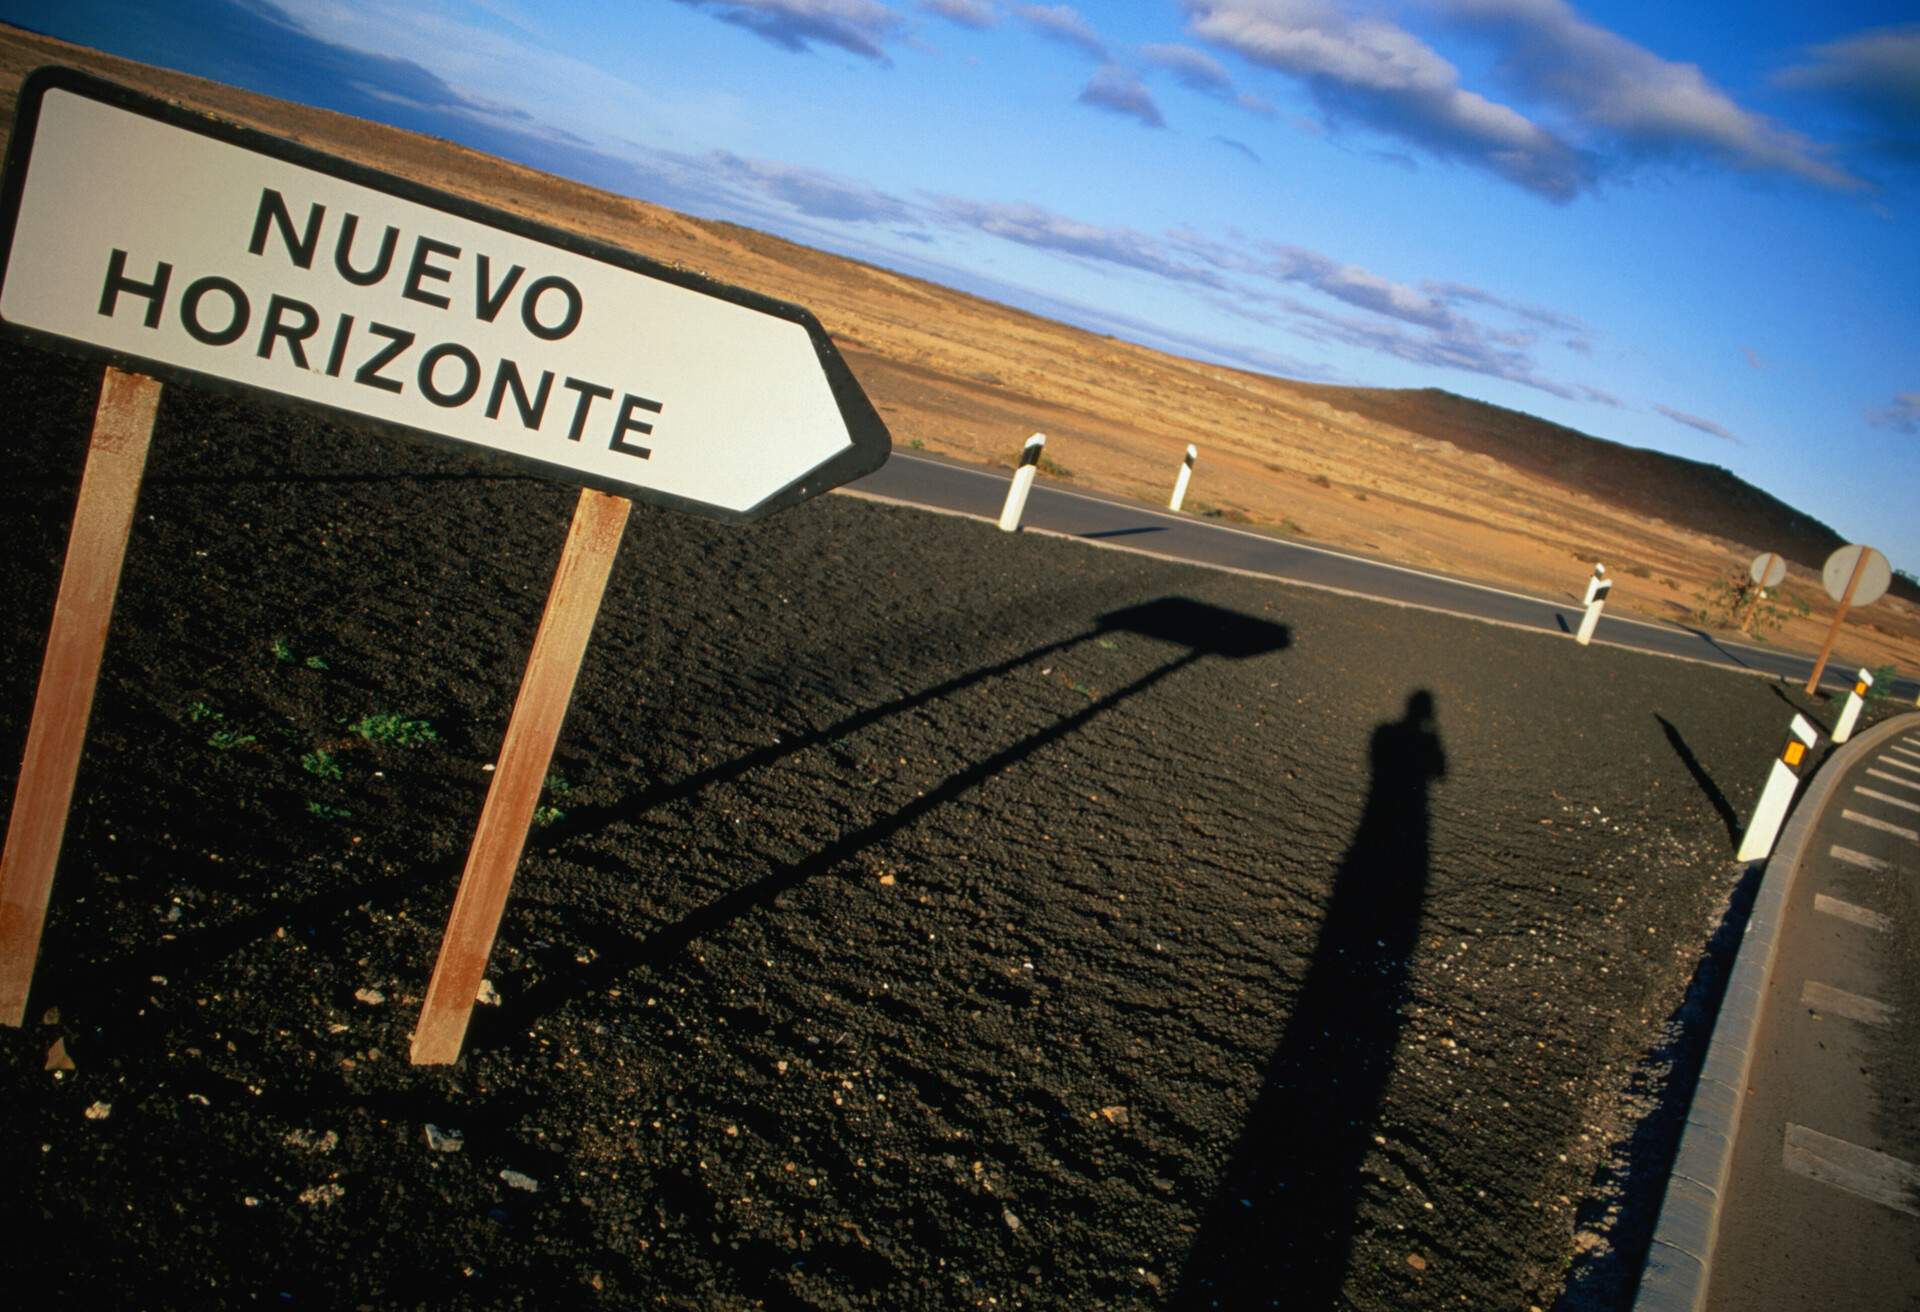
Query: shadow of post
{"x": 1279, "y": 1231}
{"x": 1202, "y": 629}
{"x": 1718, "y": 799}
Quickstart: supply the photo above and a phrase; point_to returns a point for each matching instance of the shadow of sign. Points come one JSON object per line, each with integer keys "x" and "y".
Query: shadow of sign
{"x": 1281, "y": 1223}
{"x": 1126, "y": 532}
{"x": 1708, "y": 638}
{"x": 1198, "y": 629}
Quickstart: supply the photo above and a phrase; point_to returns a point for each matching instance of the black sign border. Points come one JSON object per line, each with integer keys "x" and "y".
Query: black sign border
{"x": 871, "y": 442}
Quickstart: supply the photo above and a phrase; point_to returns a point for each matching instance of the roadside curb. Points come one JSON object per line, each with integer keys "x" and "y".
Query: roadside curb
{"x": 1680, "y": 1257}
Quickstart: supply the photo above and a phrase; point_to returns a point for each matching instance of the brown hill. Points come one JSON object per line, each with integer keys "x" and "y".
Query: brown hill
{"x": 1424, "y": 478}
{"x": 1707, "y": 497}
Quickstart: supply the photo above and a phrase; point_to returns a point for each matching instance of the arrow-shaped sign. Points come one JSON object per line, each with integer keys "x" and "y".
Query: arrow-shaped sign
{"x": 176, "y": 246}
{"x": 180, "y": 246}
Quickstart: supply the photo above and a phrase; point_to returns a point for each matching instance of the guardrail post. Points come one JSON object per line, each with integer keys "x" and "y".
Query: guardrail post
{"x": 1022, "y": 483}
{"x": 1777, "y": 796}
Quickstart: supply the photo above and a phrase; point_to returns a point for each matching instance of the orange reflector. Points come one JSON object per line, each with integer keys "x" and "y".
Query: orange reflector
{"x": 1795, "y": 751}
{"x": 1859, "y": 690}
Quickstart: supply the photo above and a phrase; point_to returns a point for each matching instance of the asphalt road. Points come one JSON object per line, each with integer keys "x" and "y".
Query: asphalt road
{"x": 967, "y": 489}
{"x": 1822, "y": 1202}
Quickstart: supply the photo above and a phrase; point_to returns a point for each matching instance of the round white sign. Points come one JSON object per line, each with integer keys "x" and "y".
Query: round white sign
{"x": 1768, "y": 569}
{"x": 1875, "y": 575}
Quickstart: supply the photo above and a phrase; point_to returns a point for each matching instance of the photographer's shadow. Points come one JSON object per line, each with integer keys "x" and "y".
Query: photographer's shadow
{"x": 1281, "y": 1224}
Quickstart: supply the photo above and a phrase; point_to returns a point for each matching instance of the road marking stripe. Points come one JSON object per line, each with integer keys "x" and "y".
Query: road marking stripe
{"x": 1885, "y": 827}
{"x": 1825, "y": 997}
{"x": 1899, "y": 765}
{"x": 1187, "y": 520}
{"x": 1864, "y": 791}
{"x": 1860, "y": 859}
{"x": 1873, "y": 1176}
{"x": 1904, "y": 783}
{"x": 1847, "y": 911}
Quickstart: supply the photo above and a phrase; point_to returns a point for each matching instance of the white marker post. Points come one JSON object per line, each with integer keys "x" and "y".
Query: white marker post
{"x": 155, "y": 238}
{"x": 1183, "y": 478}
{"x": 1022, "y": 483}
{"x": 1850, "y": 713}
{"x": 1757, "y": 842}
{"x": 1597, "y": 589}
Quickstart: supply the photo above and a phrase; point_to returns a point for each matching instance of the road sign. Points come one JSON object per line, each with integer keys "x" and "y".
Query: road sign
{"x": 1854, "y": 576}
{"x": 182, "y": 247}
{"x": 1768, "y": 569}
{"x": 171, "y": 245}
{"x": 1875, "y": 575}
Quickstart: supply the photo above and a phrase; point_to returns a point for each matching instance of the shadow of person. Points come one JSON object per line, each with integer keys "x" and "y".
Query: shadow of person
{"x": 1279, "y": 1231}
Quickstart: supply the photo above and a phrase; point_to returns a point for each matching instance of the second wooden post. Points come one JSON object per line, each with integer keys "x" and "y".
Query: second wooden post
{"x": 545, "y": 690}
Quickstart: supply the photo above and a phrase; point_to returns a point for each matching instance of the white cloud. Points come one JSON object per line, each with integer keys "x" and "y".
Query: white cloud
{"x": 1874, "y": 74}
{"x": 1375, "y": 73}
{"x": 1120, "y": 91}
{"x": 1903, "y": 416}
{"x": 1698, "y": 424}
{"x": 1643, "y": 104}
{"x": 1063, "y": 23}
{"x": 977, "y": 14}
{"x": 860, "y": 27}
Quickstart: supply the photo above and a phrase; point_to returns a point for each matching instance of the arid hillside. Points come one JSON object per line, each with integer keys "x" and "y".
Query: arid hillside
{"x": 1704, "y": 496}
{"x": 1419, "y": 477}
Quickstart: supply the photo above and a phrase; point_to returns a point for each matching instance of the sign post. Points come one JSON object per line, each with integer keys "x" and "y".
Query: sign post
{"x": 1866, "y": 575}
{"x": 1766, "y": 571}
{"x": 149, "y": 237}
{"x": 89, "y": 580}
{"x": 533, "y": 729}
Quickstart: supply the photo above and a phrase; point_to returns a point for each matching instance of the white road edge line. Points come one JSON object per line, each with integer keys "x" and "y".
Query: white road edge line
{"x": 1239, "y": 571}
{"x": 1890, "y": 800}
{"x": 1862, "y": 1172}
{"x": 860, "y": 494}
{"x": 1861, "y": 859}
{"x": 1884, "y": 826}
{"x": 1855, "y": 915}
{"x": 1853, "y": 1006}
{"x": 1191, "y": 522}
{"x": 1893, "y": 779}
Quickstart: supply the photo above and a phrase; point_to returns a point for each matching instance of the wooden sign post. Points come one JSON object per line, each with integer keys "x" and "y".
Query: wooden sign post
{"x": 142, "y": 234}
{"x": 89, "y": 580}
{"x": 1866, "y": 574}
{"x": 558, "y": 647}
{"x": 1766, "y": 571}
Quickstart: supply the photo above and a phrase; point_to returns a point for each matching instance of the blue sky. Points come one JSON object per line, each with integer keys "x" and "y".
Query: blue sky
{"x": 1685, "y": 227}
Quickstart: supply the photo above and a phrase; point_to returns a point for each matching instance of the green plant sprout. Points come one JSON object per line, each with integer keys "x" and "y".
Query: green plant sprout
{"x": 386, "y": 727}
{"x": 320, "y": 762}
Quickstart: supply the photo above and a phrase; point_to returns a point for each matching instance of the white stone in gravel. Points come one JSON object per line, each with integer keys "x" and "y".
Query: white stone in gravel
{"x": 372, "y": 997}
{"x": 487, "y": 996}
{"x": 516, "y": 1180}
{"x": 444, "y": 1141}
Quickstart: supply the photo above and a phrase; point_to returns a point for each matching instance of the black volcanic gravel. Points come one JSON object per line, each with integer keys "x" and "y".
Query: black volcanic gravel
{"x": 932, "y": 917}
